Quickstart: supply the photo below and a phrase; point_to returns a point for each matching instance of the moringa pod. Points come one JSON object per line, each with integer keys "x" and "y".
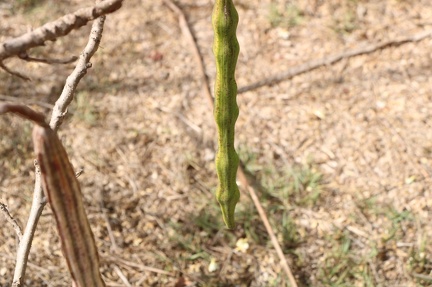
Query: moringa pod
{"x": 226, "y": 50}
{"x": 64, "y": 196}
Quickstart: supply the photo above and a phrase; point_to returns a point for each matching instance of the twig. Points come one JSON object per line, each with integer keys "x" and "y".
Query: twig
{"x": 240, "y": 173}
{"x": 190, "y": 38}
{"x": 24, "y": 112}
{"x": 56, "y": 29}
{"x": 374, "y": 271}
{"x": 117, "y": 259}
{"x": 66, "y": 97}
{"x": 276, "y": 245}
{"x": 114, "y": 247}
{"x": 14, "y": 73}
{"x": 60, "y": 107}
{"x": 26, "y": 57}
{"x": 79, "y": 173}
{"x": 26, "y": 101}
{"x": 122, "y": 276}
{"x": 11, "y": 220}
{"x": 38, "y": 204}
{"x": 331, "y": 59}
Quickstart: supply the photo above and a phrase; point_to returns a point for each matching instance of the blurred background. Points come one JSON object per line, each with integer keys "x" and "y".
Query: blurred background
{"x": 340, "y": 156}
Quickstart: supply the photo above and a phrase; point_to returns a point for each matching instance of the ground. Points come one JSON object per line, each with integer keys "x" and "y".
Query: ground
{"x": 342, "y": 155}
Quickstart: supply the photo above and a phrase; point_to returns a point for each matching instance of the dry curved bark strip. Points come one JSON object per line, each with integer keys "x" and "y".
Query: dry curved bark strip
{"x": 226, "y": 49}
{"x": 64, "y": 195}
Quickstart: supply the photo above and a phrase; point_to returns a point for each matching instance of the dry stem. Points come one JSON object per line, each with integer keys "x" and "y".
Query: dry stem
{"x": 11, "y": 220}
{"x": 275, "y": 242}
{"x": 66, "y": 97}
{"x": 59, "y": 111}
{"x": 26, "y": 101}
{"x": 58, "y": 28}
{"x": 190, "y": 38}
{"x": 38, "y": 204}
{"x": 50, "y": 32}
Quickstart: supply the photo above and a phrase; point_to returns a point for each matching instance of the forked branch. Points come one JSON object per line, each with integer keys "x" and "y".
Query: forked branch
{"x": 55, "y": 29}
{"x": 38, "y": 204}
{"x": 59, "y": 111}
{"x": 11, "y": 220}
{"x": 66, "y": 97}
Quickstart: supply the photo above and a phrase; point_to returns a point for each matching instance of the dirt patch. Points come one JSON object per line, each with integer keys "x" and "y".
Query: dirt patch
{"x": 342, "y": 154}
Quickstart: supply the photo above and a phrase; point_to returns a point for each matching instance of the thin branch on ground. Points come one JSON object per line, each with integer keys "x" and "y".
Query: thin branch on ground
{"x": 122, "y": 276}
{"x": 186, "y": 30}
{"x": 59, "y": 110}
{"x": 275, "y": 242}
{"x": 37, "y": 206}
{"x": 114, "y": 247}
{"x": 331, "y": 59}
{"x": 118, "y": 260}
{"x": 55, "y": 29}
{"x": 11, "y": 220}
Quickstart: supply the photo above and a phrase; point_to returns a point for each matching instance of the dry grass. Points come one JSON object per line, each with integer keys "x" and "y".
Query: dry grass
{"x": 342, "y": 154}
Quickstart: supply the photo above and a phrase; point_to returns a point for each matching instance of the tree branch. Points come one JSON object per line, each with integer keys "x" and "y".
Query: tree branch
{"x": 58, "y": 28}
{"x": 38, "y": 204}
{"x": 66, "y": 97}
{"x": 59, "y": 110}
{"x": 11, "y": 220}
{"x": 14, "y": 73}
{"x": 24, "y": 112}
{"x": 26, "y": 57}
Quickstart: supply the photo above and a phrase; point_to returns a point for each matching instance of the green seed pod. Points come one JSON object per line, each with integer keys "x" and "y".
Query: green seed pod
{"x": 226, "y": 50}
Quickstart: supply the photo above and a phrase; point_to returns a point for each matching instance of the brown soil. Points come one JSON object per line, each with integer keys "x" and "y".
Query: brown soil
{"x": 143, "y": 132}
